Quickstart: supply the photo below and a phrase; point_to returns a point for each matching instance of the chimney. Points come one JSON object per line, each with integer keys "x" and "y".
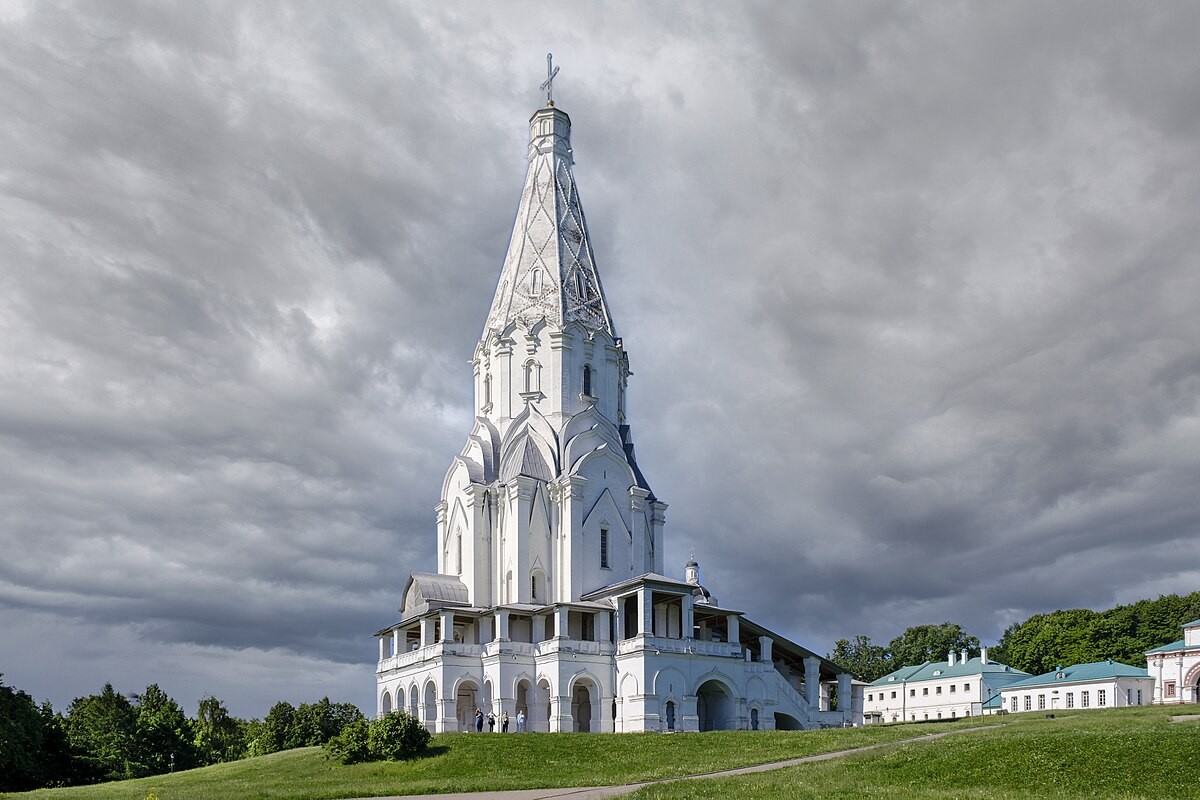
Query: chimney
{"x": 983, "y": 655}
{"x": 950, "y": 659}
{"x": 964, "y": 655}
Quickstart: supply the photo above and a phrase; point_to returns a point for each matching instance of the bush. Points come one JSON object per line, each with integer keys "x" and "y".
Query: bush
{"x": 351, "y": 746}
{"x": 393, "y": 737}
{"x": 396, "y": 736}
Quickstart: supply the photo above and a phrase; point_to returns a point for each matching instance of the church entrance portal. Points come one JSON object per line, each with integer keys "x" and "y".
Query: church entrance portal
{"x": 464, "y": 708}
{"x": 581, "y": 707}
{"x": 714, "y": 706}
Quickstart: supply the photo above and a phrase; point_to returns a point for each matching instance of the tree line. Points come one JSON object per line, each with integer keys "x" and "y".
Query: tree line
{"x": 1039, "y": 644}
{"x": 109, "y": 736}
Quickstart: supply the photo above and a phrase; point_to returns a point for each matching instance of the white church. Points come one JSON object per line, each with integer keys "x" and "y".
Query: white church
{"x": 551, "y": 596}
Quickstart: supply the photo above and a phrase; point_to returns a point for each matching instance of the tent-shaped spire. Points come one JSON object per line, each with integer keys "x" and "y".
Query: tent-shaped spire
{"x": 549, "y": 271}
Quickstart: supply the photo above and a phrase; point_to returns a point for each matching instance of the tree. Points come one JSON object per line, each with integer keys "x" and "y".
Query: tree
{"x": 277, "y": 730}
{"x": 922, "y": 643}
{"x": 23, "y": 738}
{"x": 165, "y": 737}
{"x": 219, "y": 737}
{"x": 101, "y": 730}
{"x": 867, "y": 661}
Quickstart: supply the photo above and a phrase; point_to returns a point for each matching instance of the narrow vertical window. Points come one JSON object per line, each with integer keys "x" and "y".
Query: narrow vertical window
{"x": 535, "y": 281}
{"x": 458, "y": 552}
{"x": 587, "y": 380}
{"x": 487, "y": 390}
{"x": 533, "y": 587}
{"x": 604, "y": 548}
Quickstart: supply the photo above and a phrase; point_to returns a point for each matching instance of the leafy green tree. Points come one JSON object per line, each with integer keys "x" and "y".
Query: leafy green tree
{"x": 219, "y": 736}
{"x": 165, "y": 737}
{"x": 922, "y": 643}
{"x": 101, "y": 730}
{"x": 277, "y": 731}
{"x": 315, "y": 724}
{"x": 867, "y": 661}
{"x": 29, "y": 739}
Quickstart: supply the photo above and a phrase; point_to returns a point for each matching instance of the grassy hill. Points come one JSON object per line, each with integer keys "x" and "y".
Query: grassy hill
{"x": 1119, "y": 753}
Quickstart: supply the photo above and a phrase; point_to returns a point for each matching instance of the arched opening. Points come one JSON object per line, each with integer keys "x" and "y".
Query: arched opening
{"x": 508, "y": 598}
{"x": 523, "y": 691}
{"x": 399, "y": 698}
{"x": 587, "y": 379}
{"x": 412, "y": 702}
{"x": 582, "y": 705}
{"x": 754, "y": 719}
{"x": 385, "y": 704}
{"x": 670, "y": 715}
{"x": 714, "y": 706}
{"x": 465, "y": 704}
{"x": 430, "y": 706}
{"x": 539, "y": 713}
{"x": 486, "y": 705}
{"x": 785, "y": 722}
{"x": 537, "y": 586}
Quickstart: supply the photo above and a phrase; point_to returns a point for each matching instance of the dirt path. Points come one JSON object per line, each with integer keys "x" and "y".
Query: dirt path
{"x": 596, "y": 792}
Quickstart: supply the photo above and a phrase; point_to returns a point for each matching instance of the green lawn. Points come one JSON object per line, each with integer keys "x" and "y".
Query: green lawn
{"x": 1118, "y": 753}
{"x": 483, "y": 762}
{"x": 1134, "y": 753}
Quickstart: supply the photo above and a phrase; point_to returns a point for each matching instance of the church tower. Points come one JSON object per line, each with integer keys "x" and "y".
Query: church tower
{"x": 550, "y": 599}
{"x": 545, "y": 502}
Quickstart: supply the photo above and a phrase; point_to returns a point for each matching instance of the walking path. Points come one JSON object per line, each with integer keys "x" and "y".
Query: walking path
{"x": 597, "y": 792}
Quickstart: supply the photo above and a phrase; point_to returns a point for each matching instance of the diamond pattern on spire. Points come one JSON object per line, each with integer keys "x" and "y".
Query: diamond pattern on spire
{"x": 549, "y": 270}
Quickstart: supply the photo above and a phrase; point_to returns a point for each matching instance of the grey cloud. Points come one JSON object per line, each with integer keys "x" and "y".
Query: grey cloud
{"x": 907, "y": 289}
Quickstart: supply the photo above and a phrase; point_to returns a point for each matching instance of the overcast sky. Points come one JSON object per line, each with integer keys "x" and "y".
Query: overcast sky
{"x": 910, "y": 293}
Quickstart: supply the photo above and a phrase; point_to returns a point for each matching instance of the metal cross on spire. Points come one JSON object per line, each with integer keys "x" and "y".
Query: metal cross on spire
{"x": 548, "y": 85}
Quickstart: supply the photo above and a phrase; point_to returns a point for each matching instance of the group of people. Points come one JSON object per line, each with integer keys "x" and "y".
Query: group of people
{"x": 491, "y": 721}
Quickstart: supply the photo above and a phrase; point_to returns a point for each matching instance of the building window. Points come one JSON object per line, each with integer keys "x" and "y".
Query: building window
{"x": 487, "y": 390}
{"x": 1041, "y": 702}
{"x": 1013, "y": 705}
{"x": 939, "y": 690}
{"x": 1129, "y": 697}
{"x": 604, "y": 548}
{"x": 1028, "y": 703}
{"x": 1101, "y": 697}
{"x": 1070, "y": 699}
{"x": 925, "y": 691}
{"x": 1084, "y": 699}
{"x": 1169, "y": 689}
{"x": 966, "y": 687}
{"x": 953, "y": 688}
{"x": 587, "y": 380}
{"x": 912, "y": 692}
{"x": 535, "y": 282}
{"x": 533, "y": 587}
{"x": 893, "y": 695}
{"x": 871, "y": 697}
{"x": 533, "y": 376}
{"x": 1139, "y": 697}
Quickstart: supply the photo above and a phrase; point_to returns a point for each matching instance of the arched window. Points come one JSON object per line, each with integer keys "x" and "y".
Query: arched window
{"x": 670, "y": 715}
{"x": 487, "y": 391}
{"x": 533, "y": 376}
{"x": 587, "y": 379}
{"x": 458, "y": 551}
{"x": 535, "y": 282}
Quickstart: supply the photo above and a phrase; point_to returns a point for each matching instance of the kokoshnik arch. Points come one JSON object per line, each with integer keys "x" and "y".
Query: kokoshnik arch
{"x": 550, "y": 596}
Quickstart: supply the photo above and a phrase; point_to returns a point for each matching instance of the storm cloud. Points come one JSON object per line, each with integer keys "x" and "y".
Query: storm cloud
{"x": 910, "y": 293}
